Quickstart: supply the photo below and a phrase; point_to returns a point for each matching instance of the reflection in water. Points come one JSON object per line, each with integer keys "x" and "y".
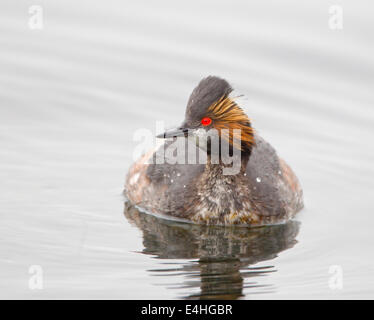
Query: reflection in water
{"x": 224, "y": 254}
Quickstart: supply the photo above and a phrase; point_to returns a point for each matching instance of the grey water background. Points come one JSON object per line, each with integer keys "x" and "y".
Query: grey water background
{"x": 73, "y": 94}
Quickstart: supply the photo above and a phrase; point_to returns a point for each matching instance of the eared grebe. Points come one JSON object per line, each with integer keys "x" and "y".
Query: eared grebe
{"x": 263, "y": 189}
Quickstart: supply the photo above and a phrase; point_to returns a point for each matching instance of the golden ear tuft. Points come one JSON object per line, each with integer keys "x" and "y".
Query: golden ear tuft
{"x": 226, "y": 114}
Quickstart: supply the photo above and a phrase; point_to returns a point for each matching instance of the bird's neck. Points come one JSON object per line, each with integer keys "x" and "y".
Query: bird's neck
{"x": 229, "y": 166}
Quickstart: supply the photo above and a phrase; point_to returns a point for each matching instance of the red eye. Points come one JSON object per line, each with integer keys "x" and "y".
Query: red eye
{"x": 206, "y": 121}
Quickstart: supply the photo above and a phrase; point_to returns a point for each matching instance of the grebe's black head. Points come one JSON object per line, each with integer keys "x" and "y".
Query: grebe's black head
{"x": 210, "y": 107}
{"x": 207, "y": 92}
